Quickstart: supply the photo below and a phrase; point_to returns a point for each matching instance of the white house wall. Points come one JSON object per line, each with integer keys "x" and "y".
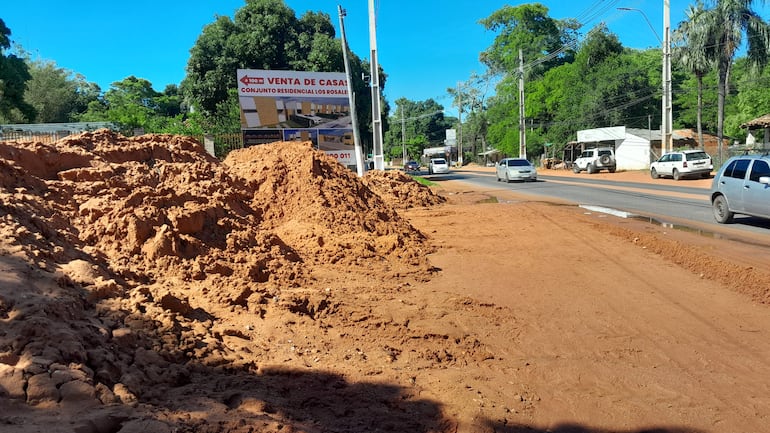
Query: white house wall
{"x": 633, "y": 153}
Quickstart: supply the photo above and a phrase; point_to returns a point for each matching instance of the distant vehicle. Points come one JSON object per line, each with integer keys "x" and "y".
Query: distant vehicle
{"x": 438, "y": 166}
{"x": 412, "y": 166}
{"x": 593, "y": 160}
{"x": 515, "y": 169}
{"x": 685, "y": 163}
{"x": 742, "y": 186}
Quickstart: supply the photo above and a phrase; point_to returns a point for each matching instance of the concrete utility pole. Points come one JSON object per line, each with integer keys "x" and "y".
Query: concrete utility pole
{"x": 379, "y": 162}
{"x": 522, "y": 125}
{"x": 403, "y": 136}
{"x": 460, "y": 126}
{"x": 668, "y": 117}
{"x": 351, "y": 96}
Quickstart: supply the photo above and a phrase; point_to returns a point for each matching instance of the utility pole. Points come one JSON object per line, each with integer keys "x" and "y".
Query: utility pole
{"x": 460, "y": 126}
{"x": 668, "y": 118}
{"x": 379, "y": 162}
{"x": 351, "y": 96}
{"x": 522, "y": 125}
{"x": 403, "y": 136}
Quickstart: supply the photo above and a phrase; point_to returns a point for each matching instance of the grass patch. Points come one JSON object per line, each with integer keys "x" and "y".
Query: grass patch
{"x": 489, "y": 200}
{"x": 423, "y": 181}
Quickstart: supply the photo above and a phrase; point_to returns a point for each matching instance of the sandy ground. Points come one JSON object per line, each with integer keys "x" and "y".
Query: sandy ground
{"x": 148, "y": 287}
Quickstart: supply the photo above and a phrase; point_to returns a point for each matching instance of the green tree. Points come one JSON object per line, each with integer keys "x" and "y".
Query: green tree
{"x": 528, "y": 28}
{"x": 695, "y": 50}
{"x": 419, "y": 124}
{"x": 728, "y": 21}
{"x": 14, "y": 75}
{"x": 266, "y": 34}
{"x": 55, "y": 94}
{"x": 749, "y": 97}
{"x": 470, "y": 98}
{"x": 132, "y": 103}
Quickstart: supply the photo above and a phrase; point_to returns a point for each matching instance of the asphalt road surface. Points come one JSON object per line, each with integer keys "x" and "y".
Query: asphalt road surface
{"x": 661, "y": 203}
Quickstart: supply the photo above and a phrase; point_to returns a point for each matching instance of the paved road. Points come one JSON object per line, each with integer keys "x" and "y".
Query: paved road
{"x": 661, "y": 203}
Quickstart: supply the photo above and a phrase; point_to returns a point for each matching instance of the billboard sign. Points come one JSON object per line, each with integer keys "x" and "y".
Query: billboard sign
{"x": 297, "y": 105}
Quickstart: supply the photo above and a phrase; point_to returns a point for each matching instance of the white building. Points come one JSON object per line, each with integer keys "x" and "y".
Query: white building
{"x": 634, "y": 148}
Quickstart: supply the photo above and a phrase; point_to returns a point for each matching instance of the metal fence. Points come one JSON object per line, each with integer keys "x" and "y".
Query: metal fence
{"x": 42, "y": 137}
{"x": 221, "y": 144}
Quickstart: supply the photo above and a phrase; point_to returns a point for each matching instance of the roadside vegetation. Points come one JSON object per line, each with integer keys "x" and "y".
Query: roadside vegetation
{"x": 587, "y": 79}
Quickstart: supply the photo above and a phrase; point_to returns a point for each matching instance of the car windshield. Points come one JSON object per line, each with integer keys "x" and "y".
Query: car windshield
{"x": 517, "y": 163}
{"x": 604, "y": 152}
{"x": 692, "y": 156}
{"x": 439, "y": 161}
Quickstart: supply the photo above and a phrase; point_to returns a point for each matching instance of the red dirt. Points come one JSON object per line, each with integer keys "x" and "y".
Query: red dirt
{"x": 148, "y": 287}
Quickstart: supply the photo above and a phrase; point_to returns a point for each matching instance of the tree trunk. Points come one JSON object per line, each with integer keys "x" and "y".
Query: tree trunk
{"x": 700, "y": 111}
{"x": 724, "y": 67}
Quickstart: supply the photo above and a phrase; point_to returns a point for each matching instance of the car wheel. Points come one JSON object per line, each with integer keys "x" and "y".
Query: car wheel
{"x": 675, "y": 174}
{"x": 575, "y": 168}
{"x": 722, "y": 213}
{"x": 654, "y": 174}
{"x": 590, "y": 169}
{"x": 706, "y": 175}
{"x": 605, "y": 159}
{"x": 612, "y": 170}
{"x": 507, "y": 179}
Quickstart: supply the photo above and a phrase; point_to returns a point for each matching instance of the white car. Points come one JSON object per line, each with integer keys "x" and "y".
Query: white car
{"x": 438, "y": 166}
{"x": 692, "y": 163}
{"x": 515, "y": 169}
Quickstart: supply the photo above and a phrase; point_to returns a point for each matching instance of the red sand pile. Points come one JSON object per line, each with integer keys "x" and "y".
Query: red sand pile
{"x": 133, "y": 266}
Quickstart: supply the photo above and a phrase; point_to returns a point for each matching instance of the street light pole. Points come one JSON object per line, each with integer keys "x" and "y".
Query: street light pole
{"x": 351, "y": 96}
{"x": 666, "y": 138}
{"x": 379, "y": 161}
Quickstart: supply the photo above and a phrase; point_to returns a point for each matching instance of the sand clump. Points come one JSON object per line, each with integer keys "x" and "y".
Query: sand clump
{"x": 134, "y": 265}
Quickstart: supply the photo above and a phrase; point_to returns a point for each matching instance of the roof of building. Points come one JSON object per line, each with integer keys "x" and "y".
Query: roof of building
{"x": 759, "y": 122}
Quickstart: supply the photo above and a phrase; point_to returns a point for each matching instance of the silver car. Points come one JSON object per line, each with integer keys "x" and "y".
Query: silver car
{"x": 515, "y": 169}
{"x": 742, "y": 186}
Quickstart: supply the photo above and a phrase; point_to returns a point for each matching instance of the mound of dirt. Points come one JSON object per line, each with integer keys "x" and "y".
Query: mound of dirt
{"x": 138, "y": 267}
{"x": 400, "y": 190}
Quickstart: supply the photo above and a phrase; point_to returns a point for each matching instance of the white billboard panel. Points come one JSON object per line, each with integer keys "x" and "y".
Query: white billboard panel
{"x": 297, "y": 105}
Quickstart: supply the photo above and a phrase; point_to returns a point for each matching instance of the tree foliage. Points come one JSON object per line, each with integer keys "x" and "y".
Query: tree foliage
{"x": 14, "y": 75}
{"x": 265, "y": 34}
{"x": 56, "y": 94}
{"x": 727, "y": 22}
{"x": 528, "y": 28}
{"x": 419, "y": 124}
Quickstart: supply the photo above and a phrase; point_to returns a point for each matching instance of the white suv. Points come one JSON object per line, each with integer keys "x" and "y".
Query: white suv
{"x": 695, "y": 163}
{"x": 593, "y": 160}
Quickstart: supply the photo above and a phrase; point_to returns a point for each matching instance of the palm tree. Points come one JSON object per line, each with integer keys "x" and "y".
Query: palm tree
{"x": 695, "y": 50}
{"x": 728, "y": 21}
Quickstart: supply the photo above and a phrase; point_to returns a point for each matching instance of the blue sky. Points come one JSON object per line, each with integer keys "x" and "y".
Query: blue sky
{"x": 424, "y": 48}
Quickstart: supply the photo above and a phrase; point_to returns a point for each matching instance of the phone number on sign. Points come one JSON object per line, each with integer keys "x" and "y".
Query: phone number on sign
{"x": 343, "y": 155}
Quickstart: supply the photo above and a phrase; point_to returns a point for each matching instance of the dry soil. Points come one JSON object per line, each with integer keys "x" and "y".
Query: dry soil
{"x": 148, "y": 287}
